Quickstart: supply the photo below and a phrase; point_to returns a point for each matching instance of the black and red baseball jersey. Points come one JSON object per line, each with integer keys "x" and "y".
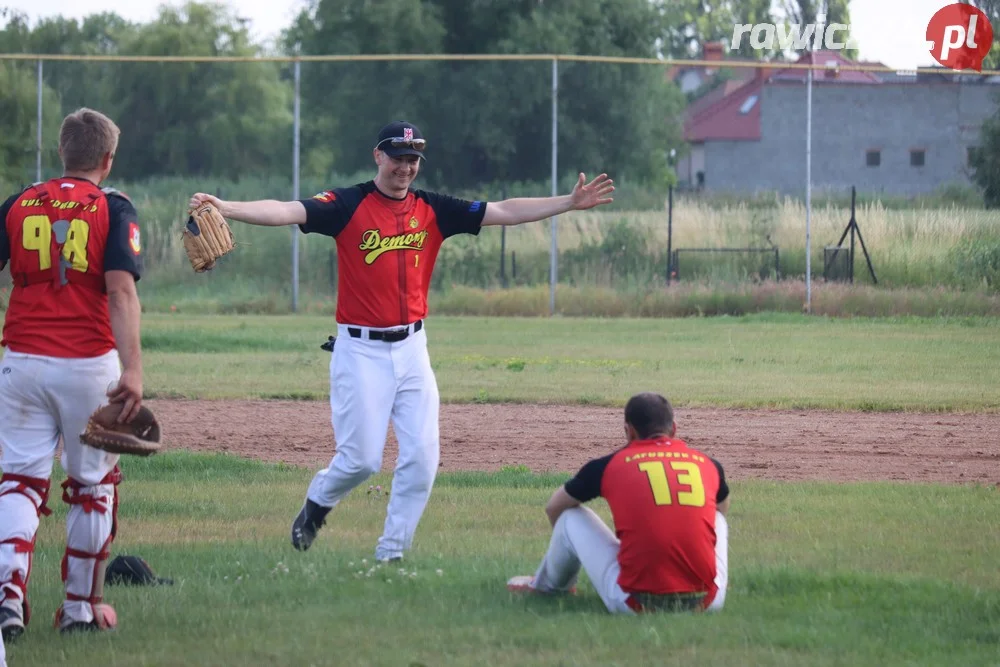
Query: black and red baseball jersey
{"x": 386, "y": 248}
{"x": 60, "y": 237}
{"x": 663, "y": 496}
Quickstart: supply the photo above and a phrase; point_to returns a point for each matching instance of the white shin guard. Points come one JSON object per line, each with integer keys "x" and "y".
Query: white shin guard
{"x": 90, "y": 528}
{"x": 22, "y": 500}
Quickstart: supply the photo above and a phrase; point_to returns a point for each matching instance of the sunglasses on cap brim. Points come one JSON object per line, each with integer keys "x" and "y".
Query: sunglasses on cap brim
{"x": 400, "y": 142}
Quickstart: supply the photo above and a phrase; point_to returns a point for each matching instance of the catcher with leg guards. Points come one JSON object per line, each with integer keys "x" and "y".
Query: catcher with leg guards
{"x": 71, "y": 334}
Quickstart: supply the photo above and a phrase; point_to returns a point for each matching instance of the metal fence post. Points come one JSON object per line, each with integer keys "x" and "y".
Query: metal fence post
{"x": 38, "y": 151}
{"x": 670, "y": 230}
{"x": 295, "y": 185}
{"x": 503, "y": 246}
{"x": 809, "y": 104}
{"x": 554, "y": 251}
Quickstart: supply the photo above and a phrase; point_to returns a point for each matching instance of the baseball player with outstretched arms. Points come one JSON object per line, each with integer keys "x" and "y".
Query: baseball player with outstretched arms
{"x": 670, "y": 548}
{"x": 388, "y": 236}
{"x": 71, "y": 335}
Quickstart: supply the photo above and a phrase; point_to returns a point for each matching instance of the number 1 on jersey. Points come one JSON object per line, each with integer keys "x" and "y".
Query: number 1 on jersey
{"x": 688, "y": 474}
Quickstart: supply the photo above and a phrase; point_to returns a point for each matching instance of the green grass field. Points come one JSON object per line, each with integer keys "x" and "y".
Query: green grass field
{"x": 821, "y": 574}
{"x": 761, "y": 360}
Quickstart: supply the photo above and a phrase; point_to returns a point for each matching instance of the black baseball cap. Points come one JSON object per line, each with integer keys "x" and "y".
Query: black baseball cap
{"x": 401, "y": 138}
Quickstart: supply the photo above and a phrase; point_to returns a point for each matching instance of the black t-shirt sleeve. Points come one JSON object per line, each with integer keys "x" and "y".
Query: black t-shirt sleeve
{"x": 328, "y": 212}
{"x": 587, "y": 483}
{"x": 456, "y": 216}
{"x": 124, "y": 248}
{"x": 4, "y": 239}
{"x": 723, "y": 487}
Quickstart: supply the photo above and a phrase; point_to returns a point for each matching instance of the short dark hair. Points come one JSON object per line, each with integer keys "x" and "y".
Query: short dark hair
{"x": 649, "y": 414}
{"x": 85, "y": 137}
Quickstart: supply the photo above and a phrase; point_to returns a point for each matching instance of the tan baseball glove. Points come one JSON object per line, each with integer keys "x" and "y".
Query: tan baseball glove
{"x": 140, "y": 437}
{"x": 207, "y": 237}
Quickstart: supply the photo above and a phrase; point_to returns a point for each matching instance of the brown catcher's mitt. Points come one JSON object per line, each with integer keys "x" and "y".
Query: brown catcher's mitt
{"x": 140, "y": 437}
{"x": 207, "y": 237}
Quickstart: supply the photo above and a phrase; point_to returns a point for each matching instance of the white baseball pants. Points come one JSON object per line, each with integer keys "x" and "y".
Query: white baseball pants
{"x": 44, "y": 400}
{"x": 371, "y": 382}
{"x": 580, "y": 538}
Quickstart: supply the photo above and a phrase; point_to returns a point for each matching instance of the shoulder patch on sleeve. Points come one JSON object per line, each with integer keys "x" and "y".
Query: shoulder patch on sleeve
{"x": 326, "y": 197}
{"x": 134, "y": 238}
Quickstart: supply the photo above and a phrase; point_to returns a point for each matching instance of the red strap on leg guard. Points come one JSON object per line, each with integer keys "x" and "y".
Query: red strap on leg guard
{"x": 71, "y": 496}
{"x": 21, "y": 546}
{"x": 83, "y": 555}
{"x": 36, "y": 484}
{"x": 89, "y": 503}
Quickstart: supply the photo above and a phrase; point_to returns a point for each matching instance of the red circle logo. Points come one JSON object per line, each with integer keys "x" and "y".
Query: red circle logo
{"x": 961, "y": 36}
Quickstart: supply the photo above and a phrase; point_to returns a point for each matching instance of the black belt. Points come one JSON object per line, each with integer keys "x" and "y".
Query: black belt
{"x": 387, "y": 335}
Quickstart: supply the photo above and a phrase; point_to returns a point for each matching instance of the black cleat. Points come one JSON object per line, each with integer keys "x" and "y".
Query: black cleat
{"x": 105, "y": 618}
{"x": 79, "y": 627}
{"x": 11, "y": 623}
{"x": 307, "y": 524}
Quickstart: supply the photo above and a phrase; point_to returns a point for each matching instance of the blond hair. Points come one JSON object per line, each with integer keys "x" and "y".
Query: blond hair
{"x": 85, "y": 137}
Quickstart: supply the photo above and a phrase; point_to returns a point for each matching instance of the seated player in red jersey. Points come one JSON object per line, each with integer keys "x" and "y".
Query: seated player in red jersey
{"x": 670, "y": 548}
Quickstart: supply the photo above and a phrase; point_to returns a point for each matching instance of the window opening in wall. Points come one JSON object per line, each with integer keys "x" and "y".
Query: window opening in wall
{"x": 873, "y": 158}
{"x": 917, "y": 158}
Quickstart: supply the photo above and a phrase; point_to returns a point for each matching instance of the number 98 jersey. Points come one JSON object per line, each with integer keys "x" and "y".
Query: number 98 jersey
{"x": 60, "y": 237}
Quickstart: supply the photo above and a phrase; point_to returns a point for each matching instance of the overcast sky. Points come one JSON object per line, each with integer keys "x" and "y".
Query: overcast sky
{"x": 889, "y": 31}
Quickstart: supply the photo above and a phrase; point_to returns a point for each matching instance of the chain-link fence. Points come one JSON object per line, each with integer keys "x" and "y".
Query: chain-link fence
{"x": 497, "y": 127}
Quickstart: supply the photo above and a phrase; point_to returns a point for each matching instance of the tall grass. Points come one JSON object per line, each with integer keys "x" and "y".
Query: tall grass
{"x": 944, "y": 243}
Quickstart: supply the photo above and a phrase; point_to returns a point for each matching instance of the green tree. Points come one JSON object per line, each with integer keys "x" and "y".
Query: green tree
{"x": 342, "y": 102}
{"x": 491, "y": 121}
{"x": 19, "y": 124}
{"x": 78, "y": 83}
{"x": 992, "y": 10}
{"x": 176, "y": 118}
{"x": 620, "y": 118}
{"x": 195, "y": 117}
{"x": 824, "y": 12}
{"x": 985, "y": 161}
{"x": 686, "y": 25}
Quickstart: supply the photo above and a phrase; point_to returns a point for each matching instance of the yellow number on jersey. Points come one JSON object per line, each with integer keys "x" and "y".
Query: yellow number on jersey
{"x": 37, "y": 235}
{"x": 689, "y": 474}
{"x": 75, "y": 248}
{"x": 691, "y": 477}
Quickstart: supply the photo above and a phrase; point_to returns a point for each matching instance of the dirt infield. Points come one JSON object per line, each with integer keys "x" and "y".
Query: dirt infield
{"x": 762, "y": 444}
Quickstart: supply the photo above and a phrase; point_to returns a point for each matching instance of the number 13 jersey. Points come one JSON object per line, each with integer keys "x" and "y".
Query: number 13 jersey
{"x": 60, "y": 237}
{"x": 663, "y": 496}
